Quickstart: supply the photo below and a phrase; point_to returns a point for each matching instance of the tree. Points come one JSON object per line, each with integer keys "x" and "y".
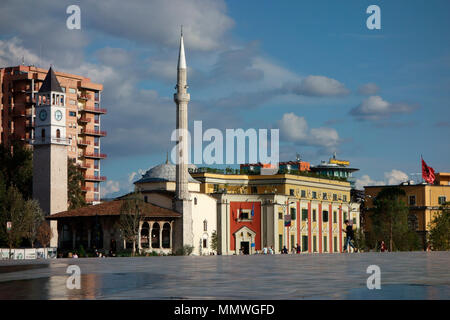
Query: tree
{"x": 214, "y": 241}
{"x": 439, "y": 235}
{"x": 17, "y": 167}
{"x": 130, "y": 218}
{"x": 74, "y": 181}
{"x": 14, "y": 213}
{"x": 390, "y": 220}
{"x": 44, "y": 234}
{"x": 33, "y": 217}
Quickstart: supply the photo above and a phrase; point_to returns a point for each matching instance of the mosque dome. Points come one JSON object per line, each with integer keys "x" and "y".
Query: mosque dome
{"x": 164, "y": 172}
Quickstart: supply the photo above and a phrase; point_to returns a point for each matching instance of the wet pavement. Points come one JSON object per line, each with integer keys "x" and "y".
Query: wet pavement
{"x": 415, "y": 275}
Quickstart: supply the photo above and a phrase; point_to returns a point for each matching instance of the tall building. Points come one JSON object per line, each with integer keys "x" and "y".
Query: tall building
{"x": 50, "y": 150}
{"x": 19, "y": 87}
{"x": 182, "y": 202}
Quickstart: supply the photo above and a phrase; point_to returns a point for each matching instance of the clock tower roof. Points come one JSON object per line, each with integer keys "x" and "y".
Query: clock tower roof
{"x": 50, "y": 83}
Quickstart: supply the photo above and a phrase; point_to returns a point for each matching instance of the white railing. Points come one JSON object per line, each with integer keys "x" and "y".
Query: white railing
{"x": 53, "y": 140}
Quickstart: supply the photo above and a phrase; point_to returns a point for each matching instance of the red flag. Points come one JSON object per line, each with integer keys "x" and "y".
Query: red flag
{"x": 427, "y": 173}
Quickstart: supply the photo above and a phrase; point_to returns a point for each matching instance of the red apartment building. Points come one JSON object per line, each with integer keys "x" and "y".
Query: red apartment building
{"x": 19, "y": 85}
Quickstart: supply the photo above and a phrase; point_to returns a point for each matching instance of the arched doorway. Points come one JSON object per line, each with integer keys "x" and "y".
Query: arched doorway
{"x": 155, "y": 235}
{"x": 166, "y": 235}
{"x": 144, "y": 235}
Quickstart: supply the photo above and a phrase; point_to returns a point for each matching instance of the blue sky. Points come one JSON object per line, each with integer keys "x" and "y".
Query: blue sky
{"x": 380, "y": 98}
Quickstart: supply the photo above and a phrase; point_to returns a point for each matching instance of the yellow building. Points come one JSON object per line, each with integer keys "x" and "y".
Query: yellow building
{"x": 424, "y": 201}
{"x": 257, "y": 211}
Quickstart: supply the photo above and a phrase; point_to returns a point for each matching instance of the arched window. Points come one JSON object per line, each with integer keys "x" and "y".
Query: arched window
{"x": 155, "y": 235}
{"x": 195, "y": 201}
{"x": 58, "y": 133}
{"x": 205, "y": 225}
{"x": 166, "y": 235}
{"x": 144, "y": 235}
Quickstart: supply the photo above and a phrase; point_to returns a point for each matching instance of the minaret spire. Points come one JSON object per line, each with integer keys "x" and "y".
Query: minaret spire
{"x": 182, "y": 98}
{"x": 181, "y": 55}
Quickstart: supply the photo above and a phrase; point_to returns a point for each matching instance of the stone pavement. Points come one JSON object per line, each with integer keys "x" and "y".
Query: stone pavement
{"x": 405, "y": 275}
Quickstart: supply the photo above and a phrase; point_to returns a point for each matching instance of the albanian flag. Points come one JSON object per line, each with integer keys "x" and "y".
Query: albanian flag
{"x": 427, "y": 173}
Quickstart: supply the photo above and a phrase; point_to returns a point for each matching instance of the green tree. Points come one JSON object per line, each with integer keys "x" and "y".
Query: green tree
{"x": 214, "y": 241}
{"x": 75, "y": 179}
{"x": 130, "y": 217}
{"x": 15, "y": 213}
{"x": 16, "y": 162}
{"x": 439, "y": 235}
{"x": 390, "y": 220}
{"x": 34, "y": 216}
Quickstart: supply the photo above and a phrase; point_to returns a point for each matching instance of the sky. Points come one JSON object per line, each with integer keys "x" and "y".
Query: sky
{"x": 379, "y": 98}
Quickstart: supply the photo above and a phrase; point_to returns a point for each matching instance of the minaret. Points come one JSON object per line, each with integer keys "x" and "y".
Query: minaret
{"x": 183, "y": 231}
{"x": 182, "y": 99}
{"x": 50, "y": 150}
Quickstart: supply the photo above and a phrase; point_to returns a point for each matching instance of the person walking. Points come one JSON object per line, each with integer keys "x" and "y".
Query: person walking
{"x": 298, "y": 248}
{"x": 285, "y": 250}
{"x": 271, "y": 250}
{"x": 350, "y": 236}
{"x": 382, "y": 246}
{"x": 265, "y": 250}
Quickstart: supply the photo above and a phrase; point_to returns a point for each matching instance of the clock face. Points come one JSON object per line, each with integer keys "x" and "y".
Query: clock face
{"x": 43, "y": 115}
{"x": 58, "y": 115}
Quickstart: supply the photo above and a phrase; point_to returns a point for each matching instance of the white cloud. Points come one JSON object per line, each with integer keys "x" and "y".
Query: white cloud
{"x": 295, "y": 129}
{"x": 376, "y": 108}
{"x": 110, "y": 187}
{"x": 319, "y": 86}
{"x": 368, "y": 89}
{"x": 393, "y": 177}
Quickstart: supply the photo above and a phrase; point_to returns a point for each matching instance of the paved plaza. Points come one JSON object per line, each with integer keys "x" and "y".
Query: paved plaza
{"x": 417, "y": 275}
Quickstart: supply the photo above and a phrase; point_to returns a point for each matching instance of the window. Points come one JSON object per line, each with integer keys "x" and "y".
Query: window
{"x": 335, "y": 244}
{"x": 413, "y": 223}
{"x": 145, "y": 198}
{"x": 205, "y": 243}
{"x": 58, "y": 133}
{"x": 291, "y": 192}
{"x": 280, "y": 242}
{"x": 324, "y": 196}
{"x": 314, "y": 215}
{"x": 292, "y": 241}
{"x": 254, "y": 190}
{"x": 293, "y": 213}
{"x": 335, "y": 197}
{"x": 216, "y": 188}
{"x": 304, "y": 243}
{"x": 442, "y": 200}
{"x": 334, "y": 216}
{"x": 314, "y": 195}
{"x": 72, "y": 90}
{"x": 354, "y": 221}
{"x": 72, "y": 102}
{"x": 315, "y": 243}
{"x": 325, "y": 242}
{"x": 195, "y": 201}
{"x": 325, "y": 216}
{"x": 245, "y": 215}
{"x": 304, "y": 214}
{"x": 63, "y": 89}
{"x": 72, "y": 113}
{"x": 205, "y": 225}
{"x": 280, "y": 215}
{"x": 345, "y": 215}
{"x": 344, "y": 198}
{"x": 303, "y": 194}
{"x": 412, "y": 200}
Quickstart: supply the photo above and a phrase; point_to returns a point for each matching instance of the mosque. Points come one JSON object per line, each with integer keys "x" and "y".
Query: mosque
{"x": 245, "y": 211}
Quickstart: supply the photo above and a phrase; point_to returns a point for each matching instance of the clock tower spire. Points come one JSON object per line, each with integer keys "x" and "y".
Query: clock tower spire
{"x": 50, "y": 150}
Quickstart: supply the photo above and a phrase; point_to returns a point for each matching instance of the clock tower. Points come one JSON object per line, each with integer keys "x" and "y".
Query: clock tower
{"x": 50, "y": 150}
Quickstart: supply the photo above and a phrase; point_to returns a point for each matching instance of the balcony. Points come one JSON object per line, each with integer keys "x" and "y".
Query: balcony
{"x": 94, "y": 178}
{"x": 83, "y": 143}
{"x": 86, "y": 189}
{"x": 96, "y": 133}
{"x": 84, "y": 96}
{"x": 83, "y": 166}
{"x": 83, "y": 120}
{"x": 17, "y": 113}
{"x": 94, "y": 155}
{"x": 92, "y": 109}
{"x": 29, "y": 124}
